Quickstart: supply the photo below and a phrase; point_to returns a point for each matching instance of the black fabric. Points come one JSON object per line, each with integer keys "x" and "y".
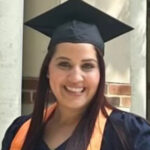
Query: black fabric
{"x": 11, "y": 131}
{"x": 80, "y": 12}
{"x": 135, "y": 129}
{"x": 78, "y": 32}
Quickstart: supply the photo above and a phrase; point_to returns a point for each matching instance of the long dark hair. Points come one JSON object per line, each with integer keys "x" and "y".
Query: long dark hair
{"x": 86, "y": 124}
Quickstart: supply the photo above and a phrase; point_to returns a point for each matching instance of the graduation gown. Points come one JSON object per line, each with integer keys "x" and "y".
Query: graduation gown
{"x": 135, "y": 129}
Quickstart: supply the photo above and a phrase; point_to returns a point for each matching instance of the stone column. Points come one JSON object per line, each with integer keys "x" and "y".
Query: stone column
{"x": 11, "y": 23}
{"x": 138, "y": 56}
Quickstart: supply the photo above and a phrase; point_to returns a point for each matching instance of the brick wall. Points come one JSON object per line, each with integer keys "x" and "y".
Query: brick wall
{"x": 29, "y": 89}
{"x": 119, "y": 95}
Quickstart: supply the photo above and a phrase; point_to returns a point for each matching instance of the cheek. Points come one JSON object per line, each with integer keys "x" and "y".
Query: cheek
{"x": 93, "y": 82}
{"x": 94, "y": 78}
{"x": 56, "y": 79}
{"x": 52, "y": 76}
{"x": 52, "y": 79}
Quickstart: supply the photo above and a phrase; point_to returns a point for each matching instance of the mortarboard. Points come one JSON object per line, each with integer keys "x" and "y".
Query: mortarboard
{"x": 78, "y": 22}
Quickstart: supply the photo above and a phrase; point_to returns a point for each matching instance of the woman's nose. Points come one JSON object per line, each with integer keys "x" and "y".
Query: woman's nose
{"x": 75, "y": 75}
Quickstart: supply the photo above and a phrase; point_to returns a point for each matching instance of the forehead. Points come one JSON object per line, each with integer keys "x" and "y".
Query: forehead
{"x": 75, "y": 50}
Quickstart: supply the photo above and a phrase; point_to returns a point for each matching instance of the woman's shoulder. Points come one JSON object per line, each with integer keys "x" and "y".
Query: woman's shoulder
{"x": 11, "y": 131}
{"x": 136, "y": 128}
{"x": 129, "y": 119}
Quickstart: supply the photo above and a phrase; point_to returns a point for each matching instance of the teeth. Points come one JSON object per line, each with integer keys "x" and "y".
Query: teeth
{"x": 74, "y": 89}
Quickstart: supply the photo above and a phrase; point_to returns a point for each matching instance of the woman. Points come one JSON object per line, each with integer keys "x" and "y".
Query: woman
{"x": 73, "y": 73}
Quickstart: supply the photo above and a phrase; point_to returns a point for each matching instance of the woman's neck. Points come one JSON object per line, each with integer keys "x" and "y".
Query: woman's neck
{"x": 67, "y": 116}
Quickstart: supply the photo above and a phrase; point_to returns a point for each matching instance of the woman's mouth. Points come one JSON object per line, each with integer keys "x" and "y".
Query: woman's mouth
{"x": 76, "y": 90}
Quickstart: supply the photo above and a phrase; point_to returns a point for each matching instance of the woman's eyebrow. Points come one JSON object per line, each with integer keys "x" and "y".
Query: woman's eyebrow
{"x": 84, "y": 60}
{"x": 89, "y": 59}
{"x": 62, "y": 57}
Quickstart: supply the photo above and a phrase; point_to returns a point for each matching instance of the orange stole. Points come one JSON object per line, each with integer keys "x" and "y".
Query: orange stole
{"x": 95, "y": 141}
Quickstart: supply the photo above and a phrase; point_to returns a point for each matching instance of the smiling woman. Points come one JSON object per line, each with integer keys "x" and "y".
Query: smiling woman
{"x": 73, "y": 73}
{"x": 75, "y": 66}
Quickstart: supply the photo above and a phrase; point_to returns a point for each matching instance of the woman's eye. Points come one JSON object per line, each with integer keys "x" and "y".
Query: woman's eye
{"x": 64, "y": 65}
{"x": 88, "y": 66}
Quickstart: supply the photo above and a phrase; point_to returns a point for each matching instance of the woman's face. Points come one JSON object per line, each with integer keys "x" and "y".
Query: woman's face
{"x": 74, "y": 74}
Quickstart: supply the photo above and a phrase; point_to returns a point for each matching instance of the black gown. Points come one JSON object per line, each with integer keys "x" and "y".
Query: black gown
{"x": 135, "y": 130}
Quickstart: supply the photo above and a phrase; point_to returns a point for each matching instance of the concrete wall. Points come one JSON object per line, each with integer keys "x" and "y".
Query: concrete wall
{"x": 35, "y": 44}
{"x": 138, "y": 41}
{"x": 11, "y": 21}
{"x": 117, "y": 50}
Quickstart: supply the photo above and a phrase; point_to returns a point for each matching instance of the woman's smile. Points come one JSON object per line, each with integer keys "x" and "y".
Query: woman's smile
{"x": 75, "y": 90}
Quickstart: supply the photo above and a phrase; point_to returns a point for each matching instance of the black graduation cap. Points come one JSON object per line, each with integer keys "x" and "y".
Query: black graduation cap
{"x": 77, "y": 21}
